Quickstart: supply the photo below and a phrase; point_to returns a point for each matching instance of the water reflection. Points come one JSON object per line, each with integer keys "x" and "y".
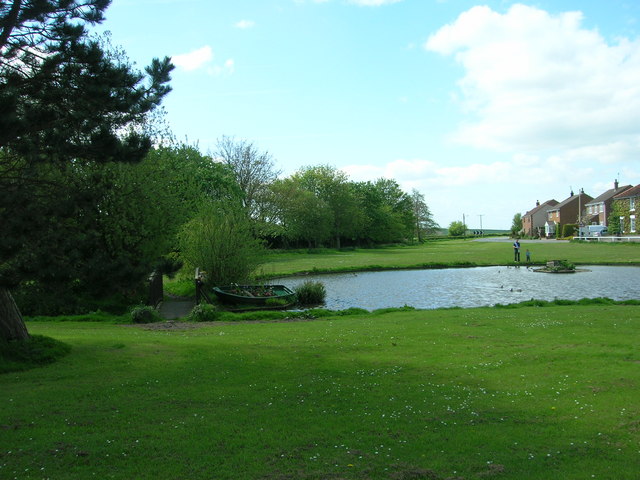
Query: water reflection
{"x": 471, "y": 287}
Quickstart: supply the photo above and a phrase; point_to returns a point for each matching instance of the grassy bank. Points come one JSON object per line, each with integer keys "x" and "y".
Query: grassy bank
{"x": 526, "y": 393}
{"x": 449, "y": 253}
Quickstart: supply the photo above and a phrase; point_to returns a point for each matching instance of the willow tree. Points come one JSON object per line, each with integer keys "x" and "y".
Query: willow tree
{"x": 219, "y": 240}
{"x": 424, "y": 222}
{"x": 65, "y": 98}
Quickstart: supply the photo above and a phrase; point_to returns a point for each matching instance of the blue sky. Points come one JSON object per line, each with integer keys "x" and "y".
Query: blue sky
{"x": 483, "y": 107}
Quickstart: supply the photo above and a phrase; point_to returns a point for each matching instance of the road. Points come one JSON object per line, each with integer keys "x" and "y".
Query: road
{"x": 509, "y": 240}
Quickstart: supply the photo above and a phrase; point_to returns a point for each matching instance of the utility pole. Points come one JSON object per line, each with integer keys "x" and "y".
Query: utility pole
{"x": 580, "y": 192}
{"x": 481, "y": 232}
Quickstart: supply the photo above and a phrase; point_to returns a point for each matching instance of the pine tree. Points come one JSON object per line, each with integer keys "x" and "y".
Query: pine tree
{"x": 65, "y": 97}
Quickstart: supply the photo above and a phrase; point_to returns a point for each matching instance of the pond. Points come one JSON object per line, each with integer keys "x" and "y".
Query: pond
{"x": 471, "y": 287}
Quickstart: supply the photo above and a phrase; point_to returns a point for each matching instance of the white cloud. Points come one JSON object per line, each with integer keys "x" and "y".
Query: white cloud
{"x": 202, "y": 58}
{"x": 244, "y": 24}
{"x": 193, "y": 60}
{"x": 537, "y": 82}
{"x": 373, "y": 3}
{"x": 499, "y": 189}
{"x": 360, "y": 3}
{"x": 227, "y": 68}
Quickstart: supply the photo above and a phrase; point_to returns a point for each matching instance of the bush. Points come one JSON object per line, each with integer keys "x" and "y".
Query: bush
{"x": 569, "y": 230}
{"x": 204, "y": 312}
{"x": 144, "y": 314}
{"x": 457, "y": 229}
{"x": 311, "y": 293}
{"x": 220, "y": 241}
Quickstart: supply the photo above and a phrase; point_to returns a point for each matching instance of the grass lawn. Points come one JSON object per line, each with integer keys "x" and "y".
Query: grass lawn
{"x": 450, "y": 253}
{"x": 525, "y": 393}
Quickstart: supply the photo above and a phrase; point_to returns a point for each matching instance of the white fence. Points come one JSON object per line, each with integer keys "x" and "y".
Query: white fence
{"x": 609, "y": 239}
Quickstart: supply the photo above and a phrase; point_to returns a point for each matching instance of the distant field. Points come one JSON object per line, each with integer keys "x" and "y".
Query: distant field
{"x": 526, "y": 393}
{"x": 450, "y": 252}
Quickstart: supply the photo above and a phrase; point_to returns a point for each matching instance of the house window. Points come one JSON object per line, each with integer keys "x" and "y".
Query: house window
{"x": 632, "y": 203}
{"x": 622, "y": 225}
{"x": 632, "y": 224}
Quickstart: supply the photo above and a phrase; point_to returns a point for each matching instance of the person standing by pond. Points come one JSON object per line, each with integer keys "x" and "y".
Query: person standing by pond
{"x": 528, "y": 256}
{"x": 516, "y": 251}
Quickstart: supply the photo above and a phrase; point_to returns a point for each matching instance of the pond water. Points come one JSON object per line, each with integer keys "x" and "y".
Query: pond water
{"x": 470, "y": 287}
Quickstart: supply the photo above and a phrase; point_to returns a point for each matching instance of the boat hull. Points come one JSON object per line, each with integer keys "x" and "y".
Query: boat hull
{"x": 254, "y": 295}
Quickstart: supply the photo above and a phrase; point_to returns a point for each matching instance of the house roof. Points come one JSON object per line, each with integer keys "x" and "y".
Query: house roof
{"x": 630, "y": 192}
{"x": 542, "y": 206}
{"x": 567, "y": 201}
{"x": 608, "y": 194}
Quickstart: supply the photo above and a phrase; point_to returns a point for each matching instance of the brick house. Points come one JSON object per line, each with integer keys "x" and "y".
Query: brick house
{"x": 568, "y": 211}
{"x": 599, "y": 209}
{"x": 627, "y": 204}
{"x": 534, "y": 220}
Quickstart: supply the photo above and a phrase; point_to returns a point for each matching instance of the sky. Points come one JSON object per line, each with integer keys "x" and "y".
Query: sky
{"x": 484, "y": 107}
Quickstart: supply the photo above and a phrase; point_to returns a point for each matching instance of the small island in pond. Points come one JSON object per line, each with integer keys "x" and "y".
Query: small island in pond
{"x": 559, "y": 266}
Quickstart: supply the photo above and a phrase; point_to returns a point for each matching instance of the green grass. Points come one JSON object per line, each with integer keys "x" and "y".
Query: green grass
{"x": 520, "y": 393}
{"x": 37, "y": 350}
{"x": 447, "y": 254}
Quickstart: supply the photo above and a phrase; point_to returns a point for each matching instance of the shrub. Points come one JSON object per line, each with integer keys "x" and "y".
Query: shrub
{"x": 560, "y": 266}
{"x": 220, "y": 241}
{"x": 311, "y": 293}
{"x": 569, "y": 230}
{"x": 204, "y": 312}
{"x": 144, "y": 314}
{"x": 457, "y": 229}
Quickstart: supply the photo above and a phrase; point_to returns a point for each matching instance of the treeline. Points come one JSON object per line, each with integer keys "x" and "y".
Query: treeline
{"x": 320, "y": 206}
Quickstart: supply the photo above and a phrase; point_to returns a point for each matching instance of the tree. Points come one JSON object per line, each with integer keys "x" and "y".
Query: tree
{"x": 298, "y": 215}
{"x": 332, "y": 187}
{"x": 254, "y": 171}
{"x": 516, "y": 225}
{"x": 66, "y": 99}
{"x": 220, "y": 241}
{"x": 386, "y": 210}
{"x": 457, "y": 229}
{"x": 424, "y": 222}
{"x": 116, "y": 223}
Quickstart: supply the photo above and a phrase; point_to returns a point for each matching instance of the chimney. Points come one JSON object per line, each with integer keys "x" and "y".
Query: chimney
{"x": 571, "y": 192}
{"x": 537, "y": 203}
{"x": 615, "y": 184}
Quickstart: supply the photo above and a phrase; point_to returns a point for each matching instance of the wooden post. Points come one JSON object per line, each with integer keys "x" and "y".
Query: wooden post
{"x": 156, "y": 291}
{"x": 198, "y": 282}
